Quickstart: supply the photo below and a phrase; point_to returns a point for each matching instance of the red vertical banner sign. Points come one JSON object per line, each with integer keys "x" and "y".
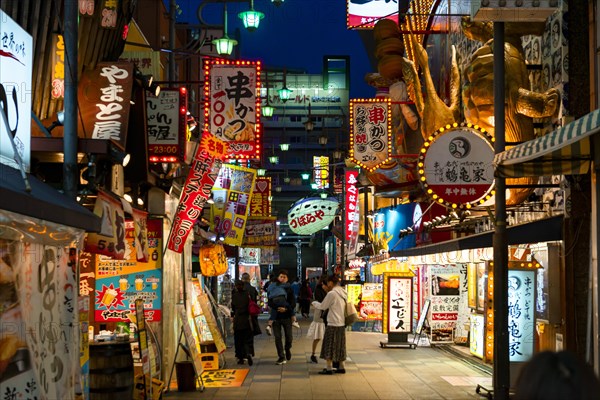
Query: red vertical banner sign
{"x": 198, "y": 185}
{"x": 351, "y": 203}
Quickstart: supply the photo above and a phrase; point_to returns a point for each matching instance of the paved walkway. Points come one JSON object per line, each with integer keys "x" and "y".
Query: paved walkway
{"x": 372, "y": 372}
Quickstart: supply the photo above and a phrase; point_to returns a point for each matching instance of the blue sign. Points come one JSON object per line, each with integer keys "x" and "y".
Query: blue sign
{"x": 387, "y": 225}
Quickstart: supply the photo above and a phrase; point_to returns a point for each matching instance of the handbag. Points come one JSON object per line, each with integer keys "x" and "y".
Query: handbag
{"x": 350, "y": 314}
{"x": 253, "y": 308}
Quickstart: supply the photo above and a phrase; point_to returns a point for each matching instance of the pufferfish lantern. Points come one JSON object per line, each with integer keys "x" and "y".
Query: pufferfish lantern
{"x": 213, "y": 260}
{"x": 311, "y": 214}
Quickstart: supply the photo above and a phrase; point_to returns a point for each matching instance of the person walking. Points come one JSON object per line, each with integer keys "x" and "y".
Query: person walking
{"x": 283, "y": 320}
{"x": 243, "y": 335}
{"x": 316, "y": 330}
{"x": 304, "y": 298}
{"x": 333, "y": 348}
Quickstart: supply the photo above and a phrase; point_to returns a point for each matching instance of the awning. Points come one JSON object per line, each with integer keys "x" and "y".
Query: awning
{"x": 565, "y": 151}
{"x": 542, "y": 230}
{"x": 43, "y": 202}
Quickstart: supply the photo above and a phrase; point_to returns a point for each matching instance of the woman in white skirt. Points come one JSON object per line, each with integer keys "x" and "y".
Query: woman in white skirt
{"x": 333, "y": 348}
{"x": 316, "y": 330}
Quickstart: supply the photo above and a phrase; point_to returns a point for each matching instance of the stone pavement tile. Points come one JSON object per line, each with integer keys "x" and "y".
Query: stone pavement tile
{"x": 356, "y": 394}
{"x": 392, "y": 394}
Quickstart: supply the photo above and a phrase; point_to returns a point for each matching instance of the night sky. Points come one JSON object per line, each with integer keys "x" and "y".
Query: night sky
{"x": 295, "y": 35}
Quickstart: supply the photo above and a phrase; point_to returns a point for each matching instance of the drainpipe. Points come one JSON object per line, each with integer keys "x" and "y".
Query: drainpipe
{"x": 172, "y": 20}
{"x": 501, "y": 377}
{"x": 70, "y": 171}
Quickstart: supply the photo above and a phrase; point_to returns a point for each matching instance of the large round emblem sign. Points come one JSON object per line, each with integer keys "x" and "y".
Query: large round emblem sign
{"x": 455, "y": 166}
{"x": 311, "y": 214}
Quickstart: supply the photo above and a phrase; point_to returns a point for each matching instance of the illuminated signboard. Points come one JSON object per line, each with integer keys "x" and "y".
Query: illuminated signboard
{"x": 232, "y": 107}
{"x": 370, "y": 132}
{"x": 455, "y": 166}
{"x": 311, "y": 214}
{"x": 167, "y": 114}
{"x": 364, "y": 14}
{"x": 397, "y": 302}
{"x": 15, "y": 79}
{"x": 321, "y": 171}
{"x": 521, "y": 314}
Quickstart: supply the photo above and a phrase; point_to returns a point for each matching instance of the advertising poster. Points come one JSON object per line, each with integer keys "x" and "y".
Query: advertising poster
{"x": 232, "y": 192}
{"x": 260, "y": 231}
{"x": 388, "y": 223}
{"x": 354, "y": 293}
{"x": 120, "y": 282}
{"x": 477, "y": 334}
{"x": 167, "y": 125}
{"x": 371, "y": 306}
{"x": 444, "y": 281}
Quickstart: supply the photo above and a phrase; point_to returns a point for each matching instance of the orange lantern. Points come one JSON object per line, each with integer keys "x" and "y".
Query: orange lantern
{"x": 213, "y": 261}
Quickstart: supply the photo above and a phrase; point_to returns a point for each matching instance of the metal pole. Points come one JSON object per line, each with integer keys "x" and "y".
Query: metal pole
{"x": 70, "y": 171}
{"x": 172, "y": 21}
{"x": 595, "y": 265}
{"x": 500, "y": 241}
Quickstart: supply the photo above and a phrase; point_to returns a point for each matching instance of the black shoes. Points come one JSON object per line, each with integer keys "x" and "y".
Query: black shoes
{"x": 250, "y": 361}
{"x": 337, "y": 371}
{"x": 240, "y": 361}
{"x": 288, "y": 354}
{"x": 313, "y": 359}
{"x": 326, "y": 372}
{"x": 280, "y": 361}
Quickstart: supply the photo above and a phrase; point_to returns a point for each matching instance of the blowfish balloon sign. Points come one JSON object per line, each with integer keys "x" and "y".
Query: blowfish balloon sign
{"x": 311, "y": 214}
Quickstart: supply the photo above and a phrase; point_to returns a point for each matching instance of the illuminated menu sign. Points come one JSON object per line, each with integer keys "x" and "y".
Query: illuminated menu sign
{"x": 521, "y": 314}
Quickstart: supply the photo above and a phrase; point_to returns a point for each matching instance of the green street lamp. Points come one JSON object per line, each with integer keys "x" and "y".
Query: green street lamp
{"x": 268, "y": 110}
{"x": 284, "y": 146}
{"x": 284, "y": 93}
{"x": 251, "y": 18}
{"x": 224, "y": 45}
{"x": 305, "y": 176}
{"x": 261, "y": 172}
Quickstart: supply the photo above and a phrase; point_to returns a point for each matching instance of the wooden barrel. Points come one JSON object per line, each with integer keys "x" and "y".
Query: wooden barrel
{"x": 111, "y": 371}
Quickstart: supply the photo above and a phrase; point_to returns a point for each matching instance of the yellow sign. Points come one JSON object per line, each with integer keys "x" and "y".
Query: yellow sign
{"x": 224, "y": 377}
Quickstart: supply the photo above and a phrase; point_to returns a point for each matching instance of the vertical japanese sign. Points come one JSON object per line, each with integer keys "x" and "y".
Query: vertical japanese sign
{"x": 321, "y": 171}
{"x": 119, "y": 283}
{"x": 445, "y": 284}
{"x": 58, "y": 67}
{"x": 521, "y": 314}
{"x": 232, "y": 193}
{"x": 16, "y": 59}
{"x": 260, "y": 205}
{"x": 232, "y": 105}
{"x": 47, "y": 291}
{"x": 351, "y": 204}
{"x": 104, "y": 94}
{"x": 197, "y": 189}
{"x": 109, "y": 14}
{"x": 397, "y": 288}
{"x": 167, "y": 115}
{"x": 148, "y": 62}
{"x": 370, "y": 132}
{"x": 110, "y": 241}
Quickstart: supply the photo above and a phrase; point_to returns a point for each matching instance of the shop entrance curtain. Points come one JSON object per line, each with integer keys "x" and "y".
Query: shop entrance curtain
{"x": 565, "y": 151}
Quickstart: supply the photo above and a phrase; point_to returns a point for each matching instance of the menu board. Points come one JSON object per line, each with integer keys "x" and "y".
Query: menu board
{"x": 120, "y": 282}
{"x": 444, "y": 281}
{"x": 191, "y": 337}
{"x": 371, "y": 306}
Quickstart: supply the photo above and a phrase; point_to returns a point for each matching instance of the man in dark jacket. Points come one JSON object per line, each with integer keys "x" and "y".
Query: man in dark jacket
{"x": 284, "y": 320}
{"x": 242, "y": 325}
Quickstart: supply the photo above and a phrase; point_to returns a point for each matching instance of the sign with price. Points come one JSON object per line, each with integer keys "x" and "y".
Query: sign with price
{"x": 167, "y": 115}
{"x": 370, "y": 132}
{"x": 120, "y": 282}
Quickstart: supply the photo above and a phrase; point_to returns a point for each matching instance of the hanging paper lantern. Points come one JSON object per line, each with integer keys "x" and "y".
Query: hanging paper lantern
{"x": 213, "y": 261}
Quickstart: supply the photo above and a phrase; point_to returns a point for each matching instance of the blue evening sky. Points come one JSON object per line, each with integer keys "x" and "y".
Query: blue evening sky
{"x": 295, "y": 35}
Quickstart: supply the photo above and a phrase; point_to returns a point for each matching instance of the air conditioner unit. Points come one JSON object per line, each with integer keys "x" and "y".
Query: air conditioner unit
{"x": 513, "y": 10}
